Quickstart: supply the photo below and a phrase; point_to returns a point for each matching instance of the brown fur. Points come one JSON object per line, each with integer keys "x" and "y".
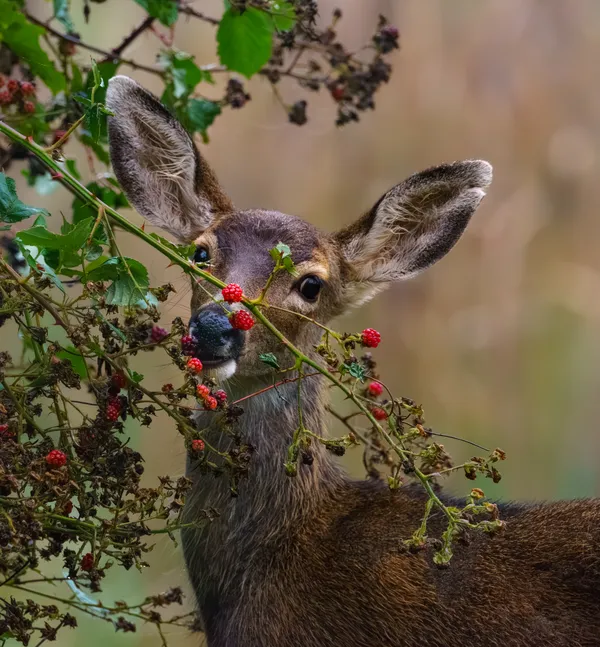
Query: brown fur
{"x": 319, "y": 559}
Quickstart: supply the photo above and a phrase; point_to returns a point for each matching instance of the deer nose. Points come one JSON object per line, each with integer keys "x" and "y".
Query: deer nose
{"x": 216, "y": 341}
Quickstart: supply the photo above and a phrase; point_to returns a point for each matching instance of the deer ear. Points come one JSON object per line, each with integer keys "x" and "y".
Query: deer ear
{"x": 412, "y": 226}
{"x": 158, "y": 164}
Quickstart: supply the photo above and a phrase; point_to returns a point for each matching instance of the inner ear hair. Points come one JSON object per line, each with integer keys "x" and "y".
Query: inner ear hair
{"x": 158, "y": 164}
{"x": 414, "y": 224}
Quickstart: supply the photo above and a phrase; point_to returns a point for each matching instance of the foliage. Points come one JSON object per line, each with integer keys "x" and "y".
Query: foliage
{"x": 69, "y": 480}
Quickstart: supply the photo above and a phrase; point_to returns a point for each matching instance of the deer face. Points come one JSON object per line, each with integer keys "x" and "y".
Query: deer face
{"x": 412, "y": 226}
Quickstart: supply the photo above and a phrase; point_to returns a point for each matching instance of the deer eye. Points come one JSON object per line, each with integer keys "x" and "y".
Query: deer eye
{"x": 201, "y": 255}
{"x": 309, "y": 287}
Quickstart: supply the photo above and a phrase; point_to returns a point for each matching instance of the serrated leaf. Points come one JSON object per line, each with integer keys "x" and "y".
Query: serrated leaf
{"x": 283, "y": 15}
{"x": 183, "y": 73}
{"x": 245, "y": 40}
{"x": 63, "y": 15}
{"x": 37, "y": 261}
{"x": 136, "y": 377}
{"x": 355, "y": 369}
{"x": 41, "y": 238}
{"x": 129, "y": 280}
{"x": 269, "y": 359}
{"x": 201, "y": 114}
{"x": 22, "y": 37}
{"x": 11, "y": 208}
{"x": 163, "y": 10}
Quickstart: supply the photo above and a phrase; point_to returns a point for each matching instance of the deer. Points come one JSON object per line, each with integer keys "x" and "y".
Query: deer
{"x": 318, "y": 559}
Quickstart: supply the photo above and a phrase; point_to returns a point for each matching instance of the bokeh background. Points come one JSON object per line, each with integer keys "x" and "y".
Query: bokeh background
{"x": 501, "y": 340}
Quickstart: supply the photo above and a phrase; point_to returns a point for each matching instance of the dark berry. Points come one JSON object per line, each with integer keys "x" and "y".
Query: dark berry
{"x": 220, "y": 396}
{"x": 87, "y": 562}
{"x": 118, "y": 380}
{"x": 158, "y": 334}
{"x": 188, "y": 345}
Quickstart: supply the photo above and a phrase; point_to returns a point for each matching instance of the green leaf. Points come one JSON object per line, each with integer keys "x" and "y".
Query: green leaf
{"x": 37, "y": 262}
{"x": 62, "y": 14}
{"x": 269, "y": 359}
{"x": 11, "y": 208}
{"x": 357, "y": 370}
{"x": 129, "y": 280}
{"x": 41, "y": 238}
{"x": 76, "y": 358}
{"x": 22, "y": 38}
{"x": 163, "y": 10}
{"x": 136, "y": 377}
{"x": 201, "y": 114}
{"x": 183, "y": 73}
{"x": 245, "y": 40}
{"x": 283, "y": 15}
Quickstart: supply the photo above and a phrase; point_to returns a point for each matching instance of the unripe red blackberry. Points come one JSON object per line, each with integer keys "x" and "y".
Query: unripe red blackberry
{"x": 379, "y": 413}
{"x": 210, "y": 403}
{"x": 232, "y": 293}
{"x": 194, "y": 365}
{"x": 113, "y": 410}
{"x": 118, "y": 380}
{"x": 198, "y": 445}
{"x": 241, "y": 320}
{"x": 6, "y": 97}
{"x": 27, "y": 88}
{"x": 12, "y": 86}
{"x": 202, "y": 391}
{"x": 56, "y": 458}
{"x": 375, "y": 389}
{"x": 370, "y": 338}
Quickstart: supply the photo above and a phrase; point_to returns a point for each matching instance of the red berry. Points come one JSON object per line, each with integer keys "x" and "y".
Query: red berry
{"x": 87, "y": 562}
{"x": 58, "y": 135}
{"x": 194, "y": 365}
{"x": 338, "y": 92}
{"x": 241, "y": 320}
{"x": 188, "y": 345}
{"x": 198, "y": 445}
{"x": 29, "y": 107}
{"x": 220, "y": 396}
{"x": 370, "y": 338}
{"x": 379, "y": 413}
{"x": 4, "y": 433}
{"x": 210, "y": 403}
{"x": 56, "y": 458}
{"x": 375, "y": 389}
{"x": 232, "y": 293}
{"x": 27, "y": 88}
{"x": 167, "y": 388}
{"x": 113, "y": 409}
{"x": 68, "y": 508}
{"x": 202, "y": 391}
{"x": 118, "y": 380}
{"x": 12, "y": 86}
{"x": 158, "y": 334}
{"x": 5, "y": 98}
{"x": 390, "y": 31}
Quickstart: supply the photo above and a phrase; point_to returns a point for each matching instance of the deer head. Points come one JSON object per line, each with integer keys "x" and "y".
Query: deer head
{"x": 166, "y": 179}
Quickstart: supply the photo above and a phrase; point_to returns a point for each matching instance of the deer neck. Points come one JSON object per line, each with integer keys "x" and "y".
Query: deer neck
{"x": 267, "y": 499}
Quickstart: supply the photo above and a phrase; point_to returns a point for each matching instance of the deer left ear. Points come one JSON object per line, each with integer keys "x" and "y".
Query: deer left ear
{"x": 413, "y": 225}
{"x": 158, "y": 164}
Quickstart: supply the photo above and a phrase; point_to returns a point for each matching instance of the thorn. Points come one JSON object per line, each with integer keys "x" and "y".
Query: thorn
{"x": 144, "y": 226}
{"x": 56, "y": 176}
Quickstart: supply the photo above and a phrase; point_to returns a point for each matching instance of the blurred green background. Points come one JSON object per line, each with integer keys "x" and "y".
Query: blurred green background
{"x": 501, "y": 340}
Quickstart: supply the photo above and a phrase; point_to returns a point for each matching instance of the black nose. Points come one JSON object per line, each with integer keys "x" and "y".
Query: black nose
{"x": 216, "y": 341}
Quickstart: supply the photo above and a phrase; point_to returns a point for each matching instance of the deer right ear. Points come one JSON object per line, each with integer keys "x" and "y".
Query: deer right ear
{"x": 158, "y": 164}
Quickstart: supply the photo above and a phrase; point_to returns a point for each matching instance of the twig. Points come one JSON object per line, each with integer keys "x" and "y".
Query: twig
{"x": 147, "y": 22}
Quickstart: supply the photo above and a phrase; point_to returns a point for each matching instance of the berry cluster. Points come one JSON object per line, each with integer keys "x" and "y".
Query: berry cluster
{"x": 18, "y": 93}
{"x": 211, "y": 401}
{"x": 113, "y": 409}
{"x": 194, "y": 365}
